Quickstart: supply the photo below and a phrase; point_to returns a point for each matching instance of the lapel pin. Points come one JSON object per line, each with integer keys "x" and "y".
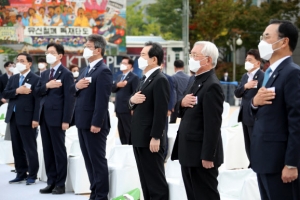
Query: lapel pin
{"x": 274, "y": 76}
{"x": 149, "y": 81}
{"x": 199, "y": 85}
{"x": 255, "y": 77}
{"x": 59, "y": 72}
{"x": 27, "y": 80}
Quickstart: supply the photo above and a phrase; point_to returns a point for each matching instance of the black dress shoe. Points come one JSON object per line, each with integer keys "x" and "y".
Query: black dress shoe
{"x": 47, "y": 190}
{"x": 58, "y": 190}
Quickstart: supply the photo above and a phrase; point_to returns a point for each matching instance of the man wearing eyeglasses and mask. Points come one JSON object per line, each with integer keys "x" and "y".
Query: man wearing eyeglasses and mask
{"x": 91, "y": 115}
{"x": 198, "y": 145}
{"x": 275, "y": 149}
{"x": 56, "y": 90}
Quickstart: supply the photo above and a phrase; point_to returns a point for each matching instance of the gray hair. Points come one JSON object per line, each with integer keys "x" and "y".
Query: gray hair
{"x": 99, "y": 42}
{"x": 209, "y": 49}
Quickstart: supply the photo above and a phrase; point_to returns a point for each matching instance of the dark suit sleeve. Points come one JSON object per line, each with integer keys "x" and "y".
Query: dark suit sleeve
{"x": 239, "y": 91}
{"x": 292, "y": 101}
{"x": 212, "y": 110}
{"x": 114, "y": 88}
{"x": 135, "y": 84}
{"x": 9, "y": 92}
{"x": 37, "y": 100}
{"x": 103, "y": 91}
{"x": 161, "y": 99}
{"x": 41, "y": 89}
{"x": 172, "y": 95}
{"x": 69, "y": 97}
{"x": 1, "y": 87}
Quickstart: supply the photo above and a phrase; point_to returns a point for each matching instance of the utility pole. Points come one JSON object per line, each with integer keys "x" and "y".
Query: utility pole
{"x": 185, "y": 32}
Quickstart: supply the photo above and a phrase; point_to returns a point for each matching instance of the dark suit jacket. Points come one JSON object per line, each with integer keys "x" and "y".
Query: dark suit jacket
{"x": 180, "y": 83}
{"x": 57, "y": 103}
{"x": 26, "y": 105}
{"x": 92, "y": 102}
{"x": 223, "y": 79}
{"x": 123, "y": 94}
{"x": 3, "y": 82}
{"x": 172, "y": 100}
{"x": 275, "y": 138}
{"x": 247, "y": 96}
{"x": 199, "y": 134}
{"x": 149, "y": 117}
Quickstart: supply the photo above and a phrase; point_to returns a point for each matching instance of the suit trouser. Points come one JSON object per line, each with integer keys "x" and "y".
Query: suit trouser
{"x": 200, "y": 183}
{"x": 247, "y": 138}
{"x": 271, "y": 187}
{"x": 24, "y": 147}
{"x": 124, "y": 121}
{"x": 55, "y": 154}
{"x": 93, "y": 147}
{"x": 152, "y": 173}
{"x": 174, "y": 114}
{"x": 166, "y": 138}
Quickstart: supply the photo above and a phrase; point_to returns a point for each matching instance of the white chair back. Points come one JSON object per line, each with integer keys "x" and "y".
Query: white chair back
{"x": 233, "y": 120}
{"x": 226, "y": 109}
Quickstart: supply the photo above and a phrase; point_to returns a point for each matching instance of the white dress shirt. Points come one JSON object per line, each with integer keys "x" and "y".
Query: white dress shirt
{"x": 251, "y": 75}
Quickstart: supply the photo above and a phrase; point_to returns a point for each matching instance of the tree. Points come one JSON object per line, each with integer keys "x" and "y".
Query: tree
{"x": 168, "y": 15}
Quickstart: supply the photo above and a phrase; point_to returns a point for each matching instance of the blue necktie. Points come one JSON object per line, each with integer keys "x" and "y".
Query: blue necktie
{"x": 20, "y": 83}
{"x": 87, "y": 70}
{"x": 267, "y": 76}
{"x": 123, "y": 76}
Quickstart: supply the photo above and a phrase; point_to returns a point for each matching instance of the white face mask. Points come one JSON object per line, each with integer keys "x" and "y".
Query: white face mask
{"x": 11, "y": 69}
{"x": 50, "y": 58}
{"x": 75, "y": 74}
{"x": 143, "y": 63}
{"x": 266, "y": 50}
{"x": 20, "y": 67}
{"x": 249, "y": 66}
{"x": 41, "y": 66}
{"x": 194, "y": 65}
{"x": 15, "y": 71}
{"x": 87, "y": 53}
{"x": 123, "y": 67}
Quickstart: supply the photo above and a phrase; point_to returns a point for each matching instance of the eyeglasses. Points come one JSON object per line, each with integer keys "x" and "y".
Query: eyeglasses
{"x": 51, "y": 52}
{"x": 265, "y": 37}
{"x": 194, "y": 55}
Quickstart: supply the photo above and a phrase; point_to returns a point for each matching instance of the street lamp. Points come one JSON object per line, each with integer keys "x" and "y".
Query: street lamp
{"x": 236, "y": 40}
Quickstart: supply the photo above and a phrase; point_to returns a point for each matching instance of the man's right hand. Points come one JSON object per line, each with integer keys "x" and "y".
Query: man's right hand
{"x": 23, "y": 90}
{"x": 263, "y": 97}
{"x": 53, "y": 84}
{"x": 82, "y": 83}
{"x": 138, "y": 98}
{"x": 251, "y": 84}
{"x": 3, "y": 100}
{"x": 121, "y": 84}
{"x": 188, "y": 101}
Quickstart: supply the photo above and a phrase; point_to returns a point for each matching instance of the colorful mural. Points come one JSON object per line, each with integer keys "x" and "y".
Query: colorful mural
{"x": 35, "y": 23}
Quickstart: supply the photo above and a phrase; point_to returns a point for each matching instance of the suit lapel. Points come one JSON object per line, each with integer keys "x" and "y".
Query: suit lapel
{"x": 58, "y": 72}
{"x": 27, "y": 78}
{"x": 95, "y": 68}
{"x": 16, "y": 83}
{"x": 150, "y": 79}
{"x": 199, "y": 81}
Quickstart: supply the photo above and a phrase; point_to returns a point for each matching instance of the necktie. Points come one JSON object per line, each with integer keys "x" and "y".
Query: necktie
{"x": 87, "y": 70}
{"x": 267, "y": 76}
{"x": 123, "y": 76}
{"x": 142, "y": 82}
{"x": 51, "y": 77}
{"x": 20, "y": 83}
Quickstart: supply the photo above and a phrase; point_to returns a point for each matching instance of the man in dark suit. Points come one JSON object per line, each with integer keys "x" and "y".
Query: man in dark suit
{"x": 92, "y": 116}
{"x": 225, "y": 77}
{"x": 198, "y": 144}
{"x": 42, "y": 65}
{"x": 56, "y": 89}
{"x": 171, "y": 106}
{"x": 4, "y": 79}
{"x": 275, "y": 149}
{"x": 180, "y": 80}
{"x": 150, "y": 107}
{"x": 124, "y": 87}
{"x": 247, "y": 89}
{"x": 23, "y": 116}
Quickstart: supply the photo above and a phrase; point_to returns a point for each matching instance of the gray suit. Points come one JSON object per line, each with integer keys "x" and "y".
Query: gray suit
{"x": 180, "y": 83}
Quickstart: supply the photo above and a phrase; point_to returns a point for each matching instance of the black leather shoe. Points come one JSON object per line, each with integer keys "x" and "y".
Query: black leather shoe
{"x": 58, "y": 190}
{"x": 47, "y": 190}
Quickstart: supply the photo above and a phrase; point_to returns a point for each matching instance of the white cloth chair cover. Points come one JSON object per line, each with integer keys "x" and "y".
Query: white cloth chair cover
{"x": 226, "y": 109}
{"x": 3, "y": 126}
{"x": 250, "y": 189}
{"x": 3, "y": 109}
{"x": 6, "y": 154}
{"x": 111, "y": 137}
{"x": 75, "y": 148}
{"x": 111, "y": 108}
{"x": 233, "y": 120}
{"x": 172, "y": 133}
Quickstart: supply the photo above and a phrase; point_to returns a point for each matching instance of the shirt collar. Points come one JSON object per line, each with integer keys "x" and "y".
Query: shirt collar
{"x": 202, "y": 73}
{"x": 126, "y": 74}
{"x": 150, "y": 72}
{"x": 277, "y": 63}
{"x": 253, "y": 72}
{"x": 25, "y": 74}
{"x": 56, "y": 66}
{"x": 92, "y": 64}
{"x": 181, "y": 70}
